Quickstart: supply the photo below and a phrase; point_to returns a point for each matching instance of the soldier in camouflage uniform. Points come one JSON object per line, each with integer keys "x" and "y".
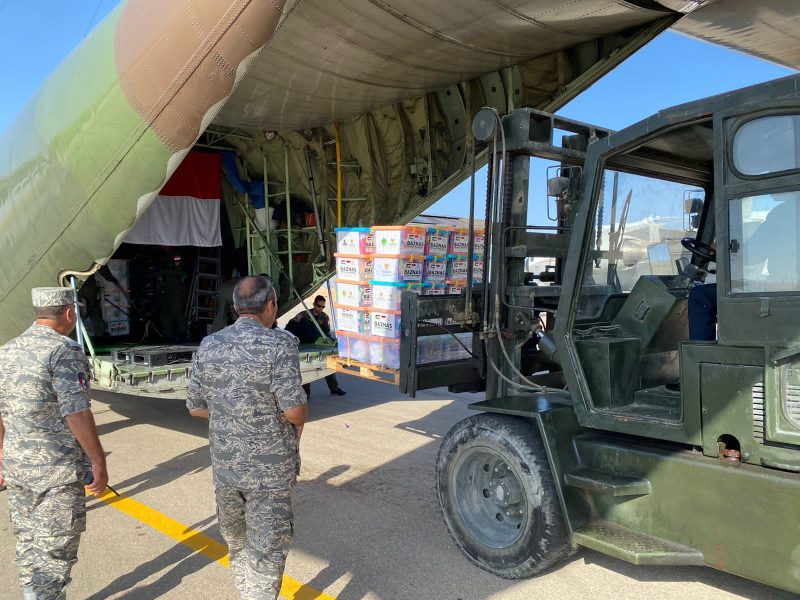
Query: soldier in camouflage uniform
{"x": 246, "y": 381}
{"x": 46, "y": 432}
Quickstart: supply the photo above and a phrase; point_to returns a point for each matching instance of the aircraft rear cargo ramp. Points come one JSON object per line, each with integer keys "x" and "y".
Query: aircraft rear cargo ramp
{"x": 269, "y": 80}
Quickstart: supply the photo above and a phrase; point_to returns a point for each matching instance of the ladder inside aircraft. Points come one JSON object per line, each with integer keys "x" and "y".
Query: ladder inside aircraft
{"x": 204, "y": 292}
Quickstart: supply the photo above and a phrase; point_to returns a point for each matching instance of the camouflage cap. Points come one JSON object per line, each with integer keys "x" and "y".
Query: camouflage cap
{"x": 52, "y": 296}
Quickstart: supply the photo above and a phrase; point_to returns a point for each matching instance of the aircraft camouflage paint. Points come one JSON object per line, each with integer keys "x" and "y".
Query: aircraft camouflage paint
{"x": 91, "y": 150}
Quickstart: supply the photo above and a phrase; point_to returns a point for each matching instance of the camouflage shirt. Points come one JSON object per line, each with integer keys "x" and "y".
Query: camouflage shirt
{"x": 44, "y": 377}
{"x": 246, "y": 375}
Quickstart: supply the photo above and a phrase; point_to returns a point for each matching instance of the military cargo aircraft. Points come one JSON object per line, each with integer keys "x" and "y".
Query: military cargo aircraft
{"x": 309, "y": 115}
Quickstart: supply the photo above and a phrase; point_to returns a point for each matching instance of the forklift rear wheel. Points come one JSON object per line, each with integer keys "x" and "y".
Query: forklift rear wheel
{"x": 498, "y": 498}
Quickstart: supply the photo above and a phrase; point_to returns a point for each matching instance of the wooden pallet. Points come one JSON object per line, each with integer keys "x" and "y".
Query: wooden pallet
{"x": 364, "y": 370}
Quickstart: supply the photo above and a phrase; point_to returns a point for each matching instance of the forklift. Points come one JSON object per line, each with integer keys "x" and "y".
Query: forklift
{"x": 605, "y": 425}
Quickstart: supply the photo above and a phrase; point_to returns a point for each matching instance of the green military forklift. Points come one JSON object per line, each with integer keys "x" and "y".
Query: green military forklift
{"x": 606, "y": 424}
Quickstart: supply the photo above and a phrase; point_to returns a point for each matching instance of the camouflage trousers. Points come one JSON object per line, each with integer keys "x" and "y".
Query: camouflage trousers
{"x": 48, "y": 528}
{"x": 257, "y": 526}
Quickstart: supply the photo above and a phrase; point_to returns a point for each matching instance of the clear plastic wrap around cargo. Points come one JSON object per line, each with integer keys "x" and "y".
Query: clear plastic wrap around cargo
{"x": 352, "y": 319}
{"x": 352, "y": 240}
{"x": 397, "y": 269}
{"x": 437, "y": 242}
{"x": 352, "y": 293}
{"x": 443, "y": 348}
{"x": 350, "y": 267}
{"x": 353, "y": 346}
{"x": 384, "y": 352}
{"x": 402, "y": 240}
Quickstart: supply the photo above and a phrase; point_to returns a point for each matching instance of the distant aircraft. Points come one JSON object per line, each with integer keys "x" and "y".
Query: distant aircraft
{"x": 396, "y": 81}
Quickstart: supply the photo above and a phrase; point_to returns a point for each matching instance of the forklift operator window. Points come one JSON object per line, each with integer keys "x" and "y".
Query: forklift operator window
{"x": 638, "y": 227}
{"x": 767, "y": 145}
{"x": 765, "y": 243}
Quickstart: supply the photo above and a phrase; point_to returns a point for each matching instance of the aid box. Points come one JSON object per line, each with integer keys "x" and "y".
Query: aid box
{"x": 352, "y": 240}
{"x": 352, "y": 319}
{"x": 434, "y": 289}
{"x": 437, "y": 242}
{"x": 353, "y": 293}
{"x": 354, "y": 346}
{"x": 351, "y": 267}
{"x": 384, "y": 352}
{"x": 479, "y": 243}
{"x": 397, "y": 269}
{"x": 387, "y": 295}
{"x": 459, "y": 241}
{"x": 454, "y": 287}
{"x": 457, "y": 266}
{"x": 385, "y": 323}
{"x": 435, "y": 269}
{"x": 399, "y": 239}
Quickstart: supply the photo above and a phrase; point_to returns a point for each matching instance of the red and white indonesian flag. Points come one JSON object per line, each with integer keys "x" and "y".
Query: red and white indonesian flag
{"x": 186, "y": 211}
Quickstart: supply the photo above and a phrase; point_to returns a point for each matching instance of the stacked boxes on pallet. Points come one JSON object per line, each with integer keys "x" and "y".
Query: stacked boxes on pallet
{"x": 373, "y": 268}
{"x": 458, "y": 259}
{"x": 399, "y": 263}
{"x": 353, "y": 292}
{"x": 115, "y": 305}
{"x": 437, "y": 245}
{"x": 446, "y": 270}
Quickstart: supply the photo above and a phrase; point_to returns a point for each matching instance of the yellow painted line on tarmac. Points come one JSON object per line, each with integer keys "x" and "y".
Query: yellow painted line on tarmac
{"x": 291, "y": 589}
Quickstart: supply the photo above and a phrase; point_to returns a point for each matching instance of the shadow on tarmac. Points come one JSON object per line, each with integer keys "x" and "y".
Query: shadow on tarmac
{"x": 379, "y": 528}
{"x": 181, "y": 560}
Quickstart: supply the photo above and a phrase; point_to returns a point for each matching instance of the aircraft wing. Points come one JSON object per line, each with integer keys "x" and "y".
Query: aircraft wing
{"x": 768, "y": 29}
{"x": 269, "y": 79}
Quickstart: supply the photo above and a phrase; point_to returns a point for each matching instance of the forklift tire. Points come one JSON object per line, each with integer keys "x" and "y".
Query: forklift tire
{"x": 498, "y": 498}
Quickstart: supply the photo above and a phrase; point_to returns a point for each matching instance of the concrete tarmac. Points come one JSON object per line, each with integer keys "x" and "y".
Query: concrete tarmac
{"x": 367, "y": 522}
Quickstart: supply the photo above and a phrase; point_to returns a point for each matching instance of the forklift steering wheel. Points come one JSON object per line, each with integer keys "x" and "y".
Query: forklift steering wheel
{"x": 700, "y": 249}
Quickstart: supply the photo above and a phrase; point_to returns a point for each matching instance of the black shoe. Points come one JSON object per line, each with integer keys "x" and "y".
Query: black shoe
{"x": 338, "y": 392}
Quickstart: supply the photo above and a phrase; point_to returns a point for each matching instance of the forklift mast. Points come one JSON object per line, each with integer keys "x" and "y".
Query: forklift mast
{"x": 604, "y": 425}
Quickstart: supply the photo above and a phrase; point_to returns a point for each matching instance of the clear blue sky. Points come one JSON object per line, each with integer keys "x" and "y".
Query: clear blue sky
{"x": 671, "y": 70}
{"x": 35, "y": 36}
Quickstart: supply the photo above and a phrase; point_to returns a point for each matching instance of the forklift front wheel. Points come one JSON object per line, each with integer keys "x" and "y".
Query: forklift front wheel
{"x": 498, "y": 498}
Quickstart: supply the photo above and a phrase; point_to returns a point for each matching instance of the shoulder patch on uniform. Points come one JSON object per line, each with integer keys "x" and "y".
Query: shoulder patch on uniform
{"x": 82, "y": 380}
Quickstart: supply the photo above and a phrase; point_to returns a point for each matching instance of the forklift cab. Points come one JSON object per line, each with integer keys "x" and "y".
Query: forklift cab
{"x": 735, "y": 161}
{"x": 654, "y": 436}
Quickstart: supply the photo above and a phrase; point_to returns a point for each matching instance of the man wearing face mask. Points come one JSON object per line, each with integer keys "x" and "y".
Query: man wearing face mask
{"x": 46, "y": 433}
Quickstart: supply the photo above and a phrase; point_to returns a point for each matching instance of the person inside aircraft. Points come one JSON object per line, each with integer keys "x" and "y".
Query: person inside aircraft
{"x": 172, "y": 279}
